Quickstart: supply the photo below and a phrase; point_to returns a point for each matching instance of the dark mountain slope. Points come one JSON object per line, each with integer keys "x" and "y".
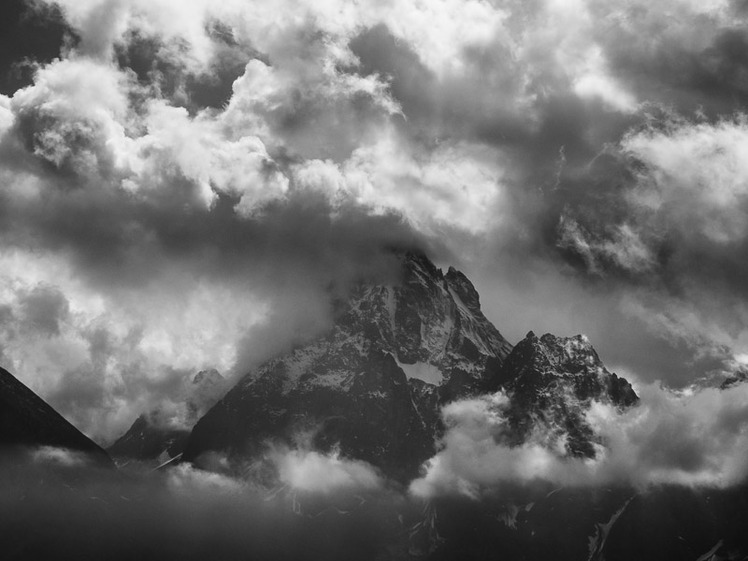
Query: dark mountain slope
{"x": 26, "y": 420}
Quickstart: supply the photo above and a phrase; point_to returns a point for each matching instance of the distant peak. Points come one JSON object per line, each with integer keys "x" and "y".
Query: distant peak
{"x": 211, "y": 376}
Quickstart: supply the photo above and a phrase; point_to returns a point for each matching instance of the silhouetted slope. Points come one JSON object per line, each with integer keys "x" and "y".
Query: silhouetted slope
{"x": 26, "y": 420}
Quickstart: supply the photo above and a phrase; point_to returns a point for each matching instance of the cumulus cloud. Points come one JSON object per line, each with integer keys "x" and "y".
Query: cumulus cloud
{"x": 454, "y": 186}
{"x": 674, "y": 223}
{"x": 179, "y": 170}
{"x": 694, "y": 175}
{"x": 695, "y": 437}
{"x": 312, "y": 472}
{"x": 59, "y": 457}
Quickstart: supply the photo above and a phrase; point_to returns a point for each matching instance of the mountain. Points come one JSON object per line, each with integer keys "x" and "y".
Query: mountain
{"x": 550, "y": 382}
{"x": 148, "y": 439}
{"x": 373, "y": 385}
{"x": 158, "y": 436}
{"x": 372, "y": 388}
{"x": 26, "y": 421}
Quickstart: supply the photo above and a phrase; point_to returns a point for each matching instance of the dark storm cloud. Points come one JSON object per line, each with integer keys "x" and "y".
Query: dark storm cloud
{"x": 30, "y": 33}
{"x": 479, "y": 103}
{"x": 687, "y": 64}
{"x": 43, "y": 308}
{"x": 157, "y": 68}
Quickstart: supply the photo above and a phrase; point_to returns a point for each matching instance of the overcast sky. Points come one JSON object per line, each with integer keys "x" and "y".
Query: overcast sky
{"x": 185, "y": 185}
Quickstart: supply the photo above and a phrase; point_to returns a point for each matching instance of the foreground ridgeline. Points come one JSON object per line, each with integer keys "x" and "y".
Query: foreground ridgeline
{"x": 28, "y": 422}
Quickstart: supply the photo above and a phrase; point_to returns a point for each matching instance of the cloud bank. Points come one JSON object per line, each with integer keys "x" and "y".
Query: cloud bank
{"x": 694, "y": 438}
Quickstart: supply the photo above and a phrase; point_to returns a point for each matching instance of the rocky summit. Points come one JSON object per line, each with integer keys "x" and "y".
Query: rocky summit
{"x": 550, "y": 382}
{"x": 373, "y": 387}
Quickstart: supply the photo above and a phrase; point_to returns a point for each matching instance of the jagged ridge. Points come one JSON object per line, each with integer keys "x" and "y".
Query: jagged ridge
{"x": 550, "y": 382}
{"x": 374, "y": 384}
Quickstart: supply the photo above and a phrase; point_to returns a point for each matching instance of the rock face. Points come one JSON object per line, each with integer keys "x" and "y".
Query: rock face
{"x": 550, "y": 382}
{"x": 157, "y": 436}
{"x": 147, "y": 440}
{"x": 374, "y": 384}
{"x": 26, "y": 420}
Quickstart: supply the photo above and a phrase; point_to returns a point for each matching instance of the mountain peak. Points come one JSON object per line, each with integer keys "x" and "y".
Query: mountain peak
{"x": 440, "y": 346}
{"x": 463, "y": 288}
{"x": 210, "y": 377}
{"x": 156, "y": 435}
{"x": 554, "y": 356}
{"x": 374, "y": 385}
{"x": 552, "y": 380}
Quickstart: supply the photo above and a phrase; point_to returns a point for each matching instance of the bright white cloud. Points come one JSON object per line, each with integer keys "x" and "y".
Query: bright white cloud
{"x": 453, "y": 25}
{"x": 693, "y": 438}
{"x": 313, "y": 472}
{"x": 455, "y": 186}
{"x": 695, "y": 176}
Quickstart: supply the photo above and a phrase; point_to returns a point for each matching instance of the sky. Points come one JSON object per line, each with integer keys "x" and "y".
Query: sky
{"x": 188, "y": 185}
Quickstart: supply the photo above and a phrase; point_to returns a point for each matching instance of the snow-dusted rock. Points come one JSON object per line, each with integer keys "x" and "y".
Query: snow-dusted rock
{"x": 374, "y": 384}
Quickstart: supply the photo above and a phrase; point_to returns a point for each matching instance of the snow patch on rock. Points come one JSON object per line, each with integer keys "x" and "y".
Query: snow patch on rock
{"x": 423, "y": 371}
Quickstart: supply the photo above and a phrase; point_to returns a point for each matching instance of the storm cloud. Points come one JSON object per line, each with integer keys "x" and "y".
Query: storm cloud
{"x": 191, "y": 185}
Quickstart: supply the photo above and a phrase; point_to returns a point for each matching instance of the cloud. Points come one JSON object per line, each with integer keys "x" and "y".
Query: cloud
{"x": 210, "y": 154}
{"x": 183, "y": 512}
{"x": 674, "y": 222}
{"x": 693, "y": 175}
{"x": 312, "y": 472}
{"x": 59, "y": 456}
{"x": 43, "y": 309}
{"x": 695, "y": 438}
{"x": 455, "y": 186}
{"x": 166, "y": 233}
{"x": 185, "y": 479}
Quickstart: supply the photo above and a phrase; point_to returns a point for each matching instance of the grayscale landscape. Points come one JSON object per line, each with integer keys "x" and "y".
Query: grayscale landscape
{"x": 411, "y": 280}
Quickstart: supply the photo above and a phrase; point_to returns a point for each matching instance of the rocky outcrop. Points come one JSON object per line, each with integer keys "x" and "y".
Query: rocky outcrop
{"x": 550, "y": 382}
